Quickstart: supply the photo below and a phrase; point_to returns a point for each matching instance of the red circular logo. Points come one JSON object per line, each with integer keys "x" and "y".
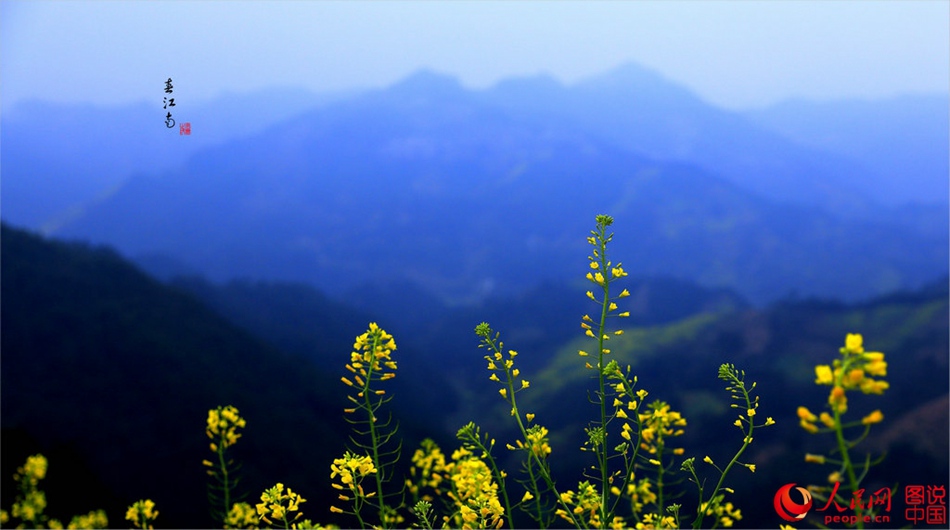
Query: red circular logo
{"x": 788, "y": 509}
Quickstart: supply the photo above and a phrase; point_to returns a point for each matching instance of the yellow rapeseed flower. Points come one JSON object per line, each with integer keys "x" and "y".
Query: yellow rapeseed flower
{"x": 876, "y": 365}
{"x": 806, "y": 415}
{"x": 838, "y": 400}
{"x": 142, "y": 513}
{"x": 875, "y": 417}
{"x": 854, "y": 343}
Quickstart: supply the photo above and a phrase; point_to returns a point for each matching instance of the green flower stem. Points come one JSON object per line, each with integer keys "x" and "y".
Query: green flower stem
{"x": 225, "y": 477}
{"x": 739, "y": 384}
{"x": 485, "y": 332}
{"x": 368, "y": 404}
{"x": 602, "y": 451}
{"x": 846, "y": 460}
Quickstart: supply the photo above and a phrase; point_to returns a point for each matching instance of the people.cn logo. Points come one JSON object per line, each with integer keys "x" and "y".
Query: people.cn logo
{"x": 788, "y": 509}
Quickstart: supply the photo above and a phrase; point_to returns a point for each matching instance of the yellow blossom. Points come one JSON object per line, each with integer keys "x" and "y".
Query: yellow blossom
{"x": 876, "y": 365}
{"x": 874, "y": 417}
{"x": 870, "y": 386}
{"x": 142, "y": 513}
{"x": 810, "y": 427}
{"x": 823, "y": 375}
{"x": 838, "y": 400}
{"x": 806, "y": 415}
{"x": 854, "y": 343}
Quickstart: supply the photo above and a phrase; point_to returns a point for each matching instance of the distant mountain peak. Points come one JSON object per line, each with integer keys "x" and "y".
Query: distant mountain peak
{"x": 428, "y": 82}
{"x": 635, "y": 78}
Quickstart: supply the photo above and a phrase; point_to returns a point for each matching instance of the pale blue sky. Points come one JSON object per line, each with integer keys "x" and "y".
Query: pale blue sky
{"x": 734, "y": 54}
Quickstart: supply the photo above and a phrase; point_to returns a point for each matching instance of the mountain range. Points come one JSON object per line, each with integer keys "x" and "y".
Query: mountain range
{"x": 471, "y": 193}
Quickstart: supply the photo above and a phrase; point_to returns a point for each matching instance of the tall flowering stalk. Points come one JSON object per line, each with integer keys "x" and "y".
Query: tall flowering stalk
{"x": 603, "y": 273}
{"x": 856, "y": 369}
{"x": 533, "y": 440}
{"x": 223, "y": 427}
{"x": 371, "y": 363}
{"x": 713, "y": 503}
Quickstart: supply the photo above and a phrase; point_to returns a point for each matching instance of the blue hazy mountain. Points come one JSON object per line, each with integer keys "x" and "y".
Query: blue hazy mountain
{"x": 448, "y": 188}
{"x": 905, "y": 139}
{"x": 638, "y": 109}
{"x": 60, "y": 158}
